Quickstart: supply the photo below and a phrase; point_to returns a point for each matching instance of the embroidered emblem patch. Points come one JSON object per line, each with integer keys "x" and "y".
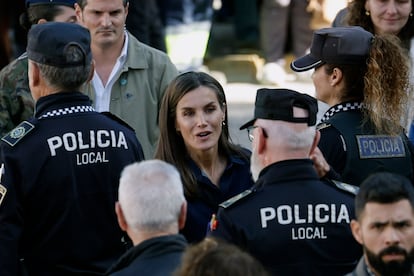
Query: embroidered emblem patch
{"x": 380, "y": 146}
{"x": 18, "y": 133}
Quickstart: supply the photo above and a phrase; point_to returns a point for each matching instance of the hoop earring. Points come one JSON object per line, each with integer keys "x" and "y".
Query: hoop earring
{"x": 367, "y": 13}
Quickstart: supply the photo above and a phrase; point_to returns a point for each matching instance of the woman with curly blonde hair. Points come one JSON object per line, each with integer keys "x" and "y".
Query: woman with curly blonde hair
{"x": 364, "y": 79}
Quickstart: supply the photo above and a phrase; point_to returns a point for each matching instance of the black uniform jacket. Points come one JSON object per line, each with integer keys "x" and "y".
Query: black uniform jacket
{"x": 59, "y": 183}
{"x": 355, "y": 150}
{"x": 292, "y": 222}
{"x": 158, "y": 256}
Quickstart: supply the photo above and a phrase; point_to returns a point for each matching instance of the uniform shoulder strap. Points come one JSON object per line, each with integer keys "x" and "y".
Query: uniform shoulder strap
{"x": 15, "y": 135}
{"x": 352, "y": 189}
{"x": 236, "y": 198}
{"x": 322, "y": 126}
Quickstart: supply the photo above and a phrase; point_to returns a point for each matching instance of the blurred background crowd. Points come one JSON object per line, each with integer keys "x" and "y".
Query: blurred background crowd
{"x": 246, "y": 40}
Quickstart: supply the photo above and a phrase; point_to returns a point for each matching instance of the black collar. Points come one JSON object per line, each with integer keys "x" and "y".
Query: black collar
{"x": 342, "y": 107}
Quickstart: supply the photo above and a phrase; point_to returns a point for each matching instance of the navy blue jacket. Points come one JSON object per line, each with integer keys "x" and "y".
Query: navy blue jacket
{"x": 60, "y": 174}
{"x": 292, "y": 222}
{"x": 159, "y": 256}
{"x": 235, "y": 179}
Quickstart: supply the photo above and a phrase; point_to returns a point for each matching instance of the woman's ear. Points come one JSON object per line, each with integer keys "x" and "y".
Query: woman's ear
{"x": 336, "y": 77}
{"x": 367, "y": 7}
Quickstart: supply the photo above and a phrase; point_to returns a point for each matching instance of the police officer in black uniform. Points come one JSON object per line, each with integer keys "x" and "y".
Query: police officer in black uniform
{"x": 291, "y": 221}
{"x": 364, "y": 79}
{"x": 60, "y": 169}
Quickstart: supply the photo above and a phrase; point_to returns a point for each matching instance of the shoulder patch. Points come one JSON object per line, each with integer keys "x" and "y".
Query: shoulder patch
{"x": 235, "y": 198}
{"x": 345, "y": 187}
{"x": 380, "y": 146}
{"x": 15, "y": 135}
{"x": 322, "y": 126}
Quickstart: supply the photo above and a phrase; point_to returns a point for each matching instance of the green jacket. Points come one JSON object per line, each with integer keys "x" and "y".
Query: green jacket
{"x": 16, "y": 102}
{"x": 136, "y": 96}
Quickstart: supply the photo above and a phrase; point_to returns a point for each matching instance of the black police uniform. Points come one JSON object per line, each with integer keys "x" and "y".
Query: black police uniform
{"x": 158, "y": 256}
{"x": 292, "y": 222}
{"x": 60, "y": 175}
{"x": 356, "y": 151}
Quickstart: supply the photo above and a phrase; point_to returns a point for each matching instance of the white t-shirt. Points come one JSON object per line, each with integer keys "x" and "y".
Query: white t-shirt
{"x": 103, "y": 93}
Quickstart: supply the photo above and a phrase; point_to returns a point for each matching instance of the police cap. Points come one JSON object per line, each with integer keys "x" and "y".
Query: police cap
{"x": 70, "y": 3}
{"x": 48, "y": 43}
{"x": 277, "y": 104}
{"x": 340, "y": 45}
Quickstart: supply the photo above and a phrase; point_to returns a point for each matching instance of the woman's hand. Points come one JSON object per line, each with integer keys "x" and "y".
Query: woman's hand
{"x": 319, "y": 163}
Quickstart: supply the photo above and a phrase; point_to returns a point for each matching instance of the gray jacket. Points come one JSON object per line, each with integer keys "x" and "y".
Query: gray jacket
{"x": 361, "y": 269}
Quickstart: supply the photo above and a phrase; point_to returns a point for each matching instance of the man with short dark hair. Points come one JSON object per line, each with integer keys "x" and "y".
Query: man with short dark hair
{"x": 291, "y": 221}
{"x": 130, "y": 77}
{"x": 60, "y": 169}
{"x": 384, "y": 226}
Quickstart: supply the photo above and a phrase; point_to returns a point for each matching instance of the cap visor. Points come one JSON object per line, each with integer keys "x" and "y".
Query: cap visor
{"x": 304, "y": 63}
{"x": 246, "y": 125}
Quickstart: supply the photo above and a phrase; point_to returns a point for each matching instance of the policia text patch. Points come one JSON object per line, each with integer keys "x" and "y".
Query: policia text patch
{"x": 380, "y": 146}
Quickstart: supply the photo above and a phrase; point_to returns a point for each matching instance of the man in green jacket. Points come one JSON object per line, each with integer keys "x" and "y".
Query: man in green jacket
{"x": 130, "y": 77}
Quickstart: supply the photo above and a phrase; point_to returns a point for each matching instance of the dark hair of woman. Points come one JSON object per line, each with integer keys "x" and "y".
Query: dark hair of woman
{"x": 380, "y": 85}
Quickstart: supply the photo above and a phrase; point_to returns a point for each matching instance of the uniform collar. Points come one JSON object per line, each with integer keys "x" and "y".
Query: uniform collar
{"x": 342, "y": 107}
{"x": 232, "y": 161}
{"x": 62, "y": 103}
{"x": 150, "y": 248}
{"x": 286, "y": 171}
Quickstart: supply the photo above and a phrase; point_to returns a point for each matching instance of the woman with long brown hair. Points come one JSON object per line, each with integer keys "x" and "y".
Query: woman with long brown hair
{"x": 194, "y": 136}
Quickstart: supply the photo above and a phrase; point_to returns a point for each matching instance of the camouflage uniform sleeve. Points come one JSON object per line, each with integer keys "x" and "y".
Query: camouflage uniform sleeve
{"x": 16, "y": 102}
